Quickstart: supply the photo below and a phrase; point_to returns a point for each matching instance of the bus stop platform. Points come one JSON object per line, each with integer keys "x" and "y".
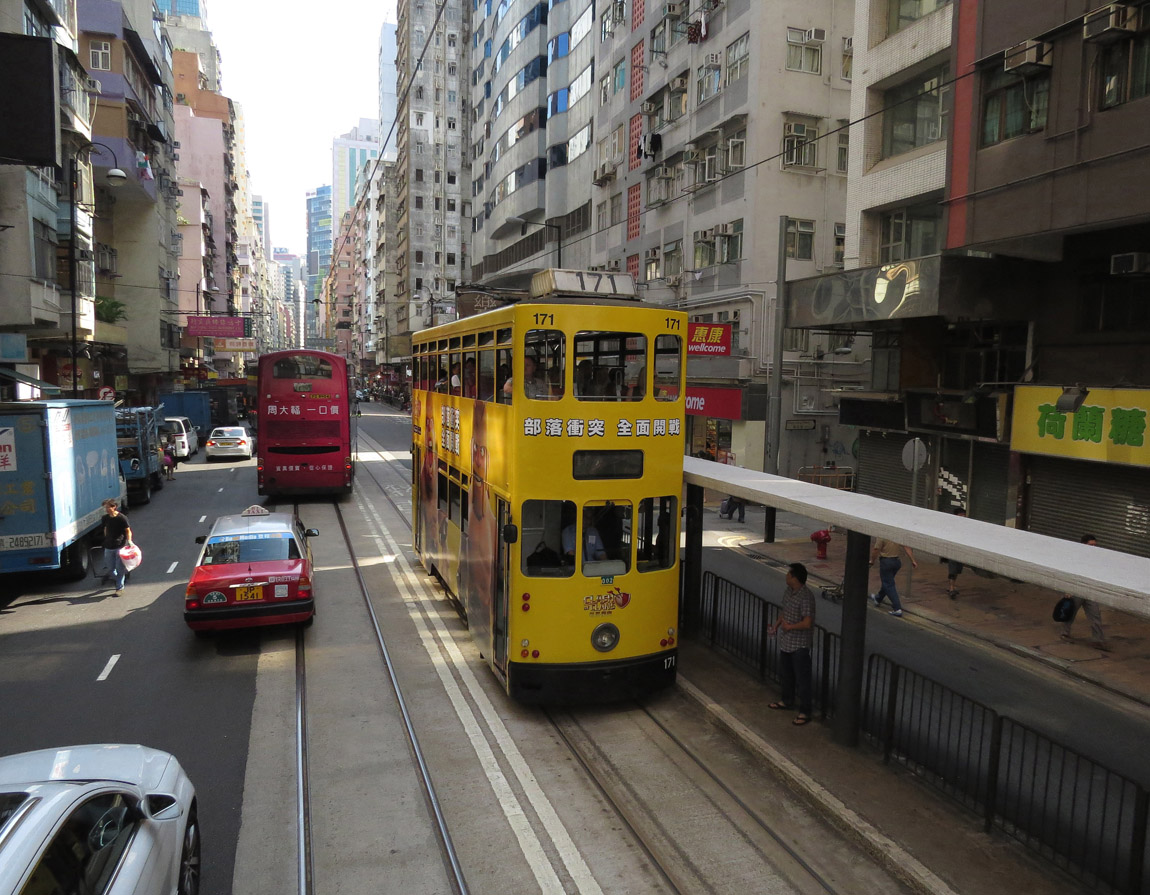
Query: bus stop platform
{"x": 1011, "y": 615}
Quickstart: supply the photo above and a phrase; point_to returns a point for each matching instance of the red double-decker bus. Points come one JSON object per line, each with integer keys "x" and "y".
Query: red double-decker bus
{"x": 305, "y": 434}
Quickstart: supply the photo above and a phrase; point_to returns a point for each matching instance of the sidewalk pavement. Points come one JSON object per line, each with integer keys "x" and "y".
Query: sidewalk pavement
{"x": 1008, "y": 614}
{"x": 928, "y": 841}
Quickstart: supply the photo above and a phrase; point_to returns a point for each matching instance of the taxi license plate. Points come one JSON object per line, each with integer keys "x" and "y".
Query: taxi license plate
{"x": 249, "y": 593}
{"x": 228, "y": 443}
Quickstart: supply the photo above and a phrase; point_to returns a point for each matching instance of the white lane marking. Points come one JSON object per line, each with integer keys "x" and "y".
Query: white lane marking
{"x": 108, "y": 668}
{"x": 172, "y": 567}
{"x": 415, "y": 597}
{"x": 219, "y": 490}
{"x": 202, "y": 518}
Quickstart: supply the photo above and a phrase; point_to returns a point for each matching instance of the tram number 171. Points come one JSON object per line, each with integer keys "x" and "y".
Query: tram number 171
{"x": 672, "y": 322}
{"x": 669, "y": 662}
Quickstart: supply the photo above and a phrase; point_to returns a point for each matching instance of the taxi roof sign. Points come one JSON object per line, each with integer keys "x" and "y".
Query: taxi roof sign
{"x": 255, "y": 510}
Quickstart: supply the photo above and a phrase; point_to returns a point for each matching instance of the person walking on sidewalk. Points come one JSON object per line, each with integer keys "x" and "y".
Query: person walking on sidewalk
{"x": 797, "y": 623}
{"x": 886, "y": 552}
{"x": 1093, "y": 613}
{"x": 117, "y": 533}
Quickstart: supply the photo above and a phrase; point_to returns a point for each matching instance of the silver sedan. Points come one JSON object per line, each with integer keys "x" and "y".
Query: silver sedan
{"x": 109, "y": 818}
{"x": 229, "y": 441}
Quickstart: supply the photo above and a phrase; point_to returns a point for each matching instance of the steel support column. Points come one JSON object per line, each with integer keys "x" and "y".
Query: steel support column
{"x": 852, "y": 656}
{"x": 692, "y": 562}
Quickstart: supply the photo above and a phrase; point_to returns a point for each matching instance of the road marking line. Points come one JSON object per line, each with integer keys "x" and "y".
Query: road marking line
{"x": 202, "y": 518}
{"x": 416, "y": 597}
{"x": 172, "y": 567}
{"x": 108, "y": 668}
{"x": 219, "y": 490}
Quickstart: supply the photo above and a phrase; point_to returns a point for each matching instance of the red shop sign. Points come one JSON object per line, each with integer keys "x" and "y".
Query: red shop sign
{"x": 721, "y": 403}
{"x": 712, "y": 339}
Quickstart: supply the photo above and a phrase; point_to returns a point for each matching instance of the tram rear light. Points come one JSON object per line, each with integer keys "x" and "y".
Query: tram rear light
{"x": 526, "y": 596}
{"x": 535, "y": 654}
{"x": 523, "y": 653}
{"x": 663, "y": 642}
{"x": 526, "y": 606}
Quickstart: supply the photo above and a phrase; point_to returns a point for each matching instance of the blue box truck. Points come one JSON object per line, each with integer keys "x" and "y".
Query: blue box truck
{"x": 58, "y": 464}
{"x": 195, "y": 405}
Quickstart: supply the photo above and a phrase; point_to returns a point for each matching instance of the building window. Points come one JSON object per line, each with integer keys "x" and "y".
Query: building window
{"x": 1013, "y": 105}
{"x": 803, "y": 56}
{"x": 914, "y": 112}
{"x": 704, "y": 249}
{"x": 601, "y": 215}
{"x": 846, "y": 71}
{"x": 910, "y": 232}
{"x": 45, "y": 250}
{"x": 840, "y": 243}
{"x": 905, "y": 12}
{"x": 604, "y": 89}
{"x": 800, "y": 145}
{"x": 620, "y": 75}
{"x": 673, "y": 259}
{"x": 419, "y": 175}
{"x": 800, "y": 239}
{"x": 1126, "y": 71}
{"x": 707, "y": 81}
{"x": 730, "y": 247}
{"x": 419, "y": 256}
{"x": 617, "y": 209}
{"x": 419, "y": 201}
{"x": 738, "y": 58}
{"x": 100, "y": 55}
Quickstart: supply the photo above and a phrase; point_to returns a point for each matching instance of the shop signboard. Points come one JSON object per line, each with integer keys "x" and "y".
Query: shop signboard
{"x": 222, "y": 327}
{"x": 709, "y": 339}
{"x": 1109, "y": 426}
{"x": 721, "y": 403}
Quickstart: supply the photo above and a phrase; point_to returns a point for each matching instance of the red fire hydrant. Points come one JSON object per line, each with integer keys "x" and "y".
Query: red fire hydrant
{"x": 821, "y": 539}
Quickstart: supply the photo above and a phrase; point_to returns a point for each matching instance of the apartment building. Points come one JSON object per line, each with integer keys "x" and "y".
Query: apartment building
{"x": 667, "y": 140}
{"x": 319, "y": 246}
{"x": 1001, "y": 262}
{"x": 432, "y": 164}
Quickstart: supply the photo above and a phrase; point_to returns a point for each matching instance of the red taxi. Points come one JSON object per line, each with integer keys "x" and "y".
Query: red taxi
{"x": 254, "y": 569}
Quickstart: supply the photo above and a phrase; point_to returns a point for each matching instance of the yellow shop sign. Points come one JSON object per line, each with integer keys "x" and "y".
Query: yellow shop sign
{"x": 1109, "y": 427}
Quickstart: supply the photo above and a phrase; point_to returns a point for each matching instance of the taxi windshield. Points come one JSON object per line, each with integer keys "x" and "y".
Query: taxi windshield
{"x": 267, "y": 547}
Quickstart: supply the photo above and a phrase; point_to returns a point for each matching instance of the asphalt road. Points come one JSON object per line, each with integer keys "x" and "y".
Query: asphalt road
{"x": 167, "y": 689}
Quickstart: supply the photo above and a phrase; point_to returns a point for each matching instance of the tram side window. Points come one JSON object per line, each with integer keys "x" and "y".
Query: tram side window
{"x": 542, "y": 523}
{"x": 441, "y": 381}
{"x": 455, "y": 510}
{"x": 668, "y": 364}
{"x": 442, "y": 492}
{"x": 456, "y": 373}
{"x": 604, "y": 539}
{"x": 503, "y": 375}
{"x": 544, "y": 364}
{"x": 487, "y": 378}
{"x": 470, "y": 374}
{"x": 656, "y": 533}
{"x": 610, "y": 366}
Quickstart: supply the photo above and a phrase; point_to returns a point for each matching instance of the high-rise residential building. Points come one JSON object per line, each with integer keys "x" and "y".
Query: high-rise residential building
{"x": 291, "y": 290}
{"x": 432, "y": 167}
{"x": 388, "y": 90}
{"x": 350, "y": 153}
{"x": 319, "y": 247}
{"x": 187, "y": 27}
{"x": 667, "y": 140}
{"x": 261, "y": 213}
{"x": 195, "y": 8}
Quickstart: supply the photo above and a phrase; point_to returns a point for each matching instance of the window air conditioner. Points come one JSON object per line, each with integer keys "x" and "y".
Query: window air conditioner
{"x": 1027, "y": 56}
{"x": 650, "y": 107}
{"x": 614, "y": 265}
{"x": 722, "y": 229}
{"x": 596, "y": 267}
{"x": 713, "y": 60}
{"x": 674, "y": 280}
{"x": 816, "y": 35}
{"x": 93, "y": 86}
{"x": 672, "y": 10}
{"x": 707, "y": 235}
{"x": 1129, "y": 263}
{"x": 1110, "y": 22}
{"x": 665, "y": 173}
{"x": 694, "y": 156}
{"x": 652, "y": 254}
{"x": 678, "y": 85}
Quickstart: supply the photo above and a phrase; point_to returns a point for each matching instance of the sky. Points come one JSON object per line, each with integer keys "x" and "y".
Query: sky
{"x": 304, "y": 74}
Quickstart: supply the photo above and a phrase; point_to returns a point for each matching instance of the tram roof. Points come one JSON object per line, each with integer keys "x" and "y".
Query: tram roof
{"x": 1119, "y": 580}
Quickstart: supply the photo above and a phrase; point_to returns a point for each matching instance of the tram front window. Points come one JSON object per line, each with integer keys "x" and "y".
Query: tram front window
{"x": 605, "y": 541}
{"x": 542, "y": 523}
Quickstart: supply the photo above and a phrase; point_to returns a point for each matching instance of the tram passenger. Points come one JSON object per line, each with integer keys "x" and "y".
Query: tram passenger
{"x": 593, "y": 548}
{"x": 469, "y": 378}
{"x": 532, "y": 387}
{"x": 456, "y": 380}
{"x": 584, "y": 376}
{"x": 441, "y": 381}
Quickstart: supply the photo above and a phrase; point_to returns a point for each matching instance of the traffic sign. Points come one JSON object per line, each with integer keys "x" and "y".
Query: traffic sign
{"x": 107, "y": 393}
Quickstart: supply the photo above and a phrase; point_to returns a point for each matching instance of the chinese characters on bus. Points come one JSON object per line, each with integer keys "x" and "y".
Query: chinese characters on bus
{"x": 576, "y": 428}
{"x": 1127, "y": 425}
{"x": 294, "y": 409}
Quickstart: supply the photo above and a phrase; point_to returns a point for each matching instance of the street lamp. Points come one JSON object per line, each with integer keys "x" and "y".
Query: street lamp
{"x": 516, "y": 219}
{"x": 115, "y": 177}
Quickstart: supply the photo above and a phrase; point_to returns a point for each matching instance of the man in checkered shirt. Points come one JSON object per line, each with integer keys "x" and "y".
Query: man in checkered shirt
{"x": 796, "y": 625}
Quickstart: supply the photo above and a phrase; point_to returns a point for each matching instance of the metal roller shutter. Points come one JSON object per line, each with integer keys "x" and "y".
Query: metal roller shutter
{"x": 990, "y": 483}
{"x": 881, "y": 473}
{"x": 1069, "y": 498}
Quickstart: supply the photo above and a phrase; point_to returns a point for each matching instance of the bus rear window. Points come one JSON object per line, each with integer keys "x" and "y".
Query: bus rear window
{"x": 301, "y": 366}
{"x": 607, "y": 465}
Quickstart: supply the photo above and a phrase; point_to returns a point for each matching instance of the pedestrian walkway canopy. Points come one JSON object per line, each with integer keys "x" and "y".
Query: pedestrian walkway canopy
{"x": 1117, "y": 580}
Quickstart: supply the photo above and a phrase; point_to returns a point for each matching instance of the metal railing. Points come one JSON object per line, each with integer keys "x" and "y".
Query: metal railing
{"x": 1076, "y": 813}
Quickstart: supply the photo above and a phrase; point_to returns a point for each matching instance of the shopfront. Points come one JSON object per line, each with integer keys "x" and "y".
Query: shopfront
{"x": 1087, "y": 469}
{"x": 712, "y": 415}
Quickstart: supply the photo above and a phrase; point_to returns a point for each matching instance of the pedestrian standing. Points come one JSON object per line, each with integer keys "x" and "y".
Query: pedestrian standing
{"x": 886, "y": 552}
{"x": 953, "y": 568}
{"x": 1093, "y": 613}
{"x": 797, "y": 624}
{"x": 117, "y": 534}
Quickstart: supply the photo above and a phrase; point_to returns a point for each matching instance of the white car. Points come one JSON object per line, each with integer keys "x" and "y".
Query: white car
{"x": 228, "y": 441}
{"x": 113, "y": 819}
{"x": 186, "y": 437}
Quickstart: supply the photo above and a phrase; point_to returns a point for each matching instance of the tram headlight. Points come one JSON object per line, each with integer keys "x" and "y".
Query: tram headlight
{"x": 605, "y": 637}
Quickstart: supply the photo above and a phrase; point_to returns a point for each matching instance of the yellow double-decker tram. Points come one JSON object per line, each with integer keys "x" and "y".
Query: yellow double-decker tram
{"x": 548, "y": 467}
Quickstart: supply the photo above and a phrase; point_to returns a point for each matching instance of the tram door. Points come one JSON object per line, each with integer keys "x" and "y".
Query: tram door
{"x": 502, "y": 586}
{"x": 417, "y": 498}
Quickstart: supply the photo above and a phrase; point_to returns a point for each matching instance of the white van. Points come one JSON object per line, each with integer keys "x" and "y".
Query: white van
{"x": 187, "y": 440}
